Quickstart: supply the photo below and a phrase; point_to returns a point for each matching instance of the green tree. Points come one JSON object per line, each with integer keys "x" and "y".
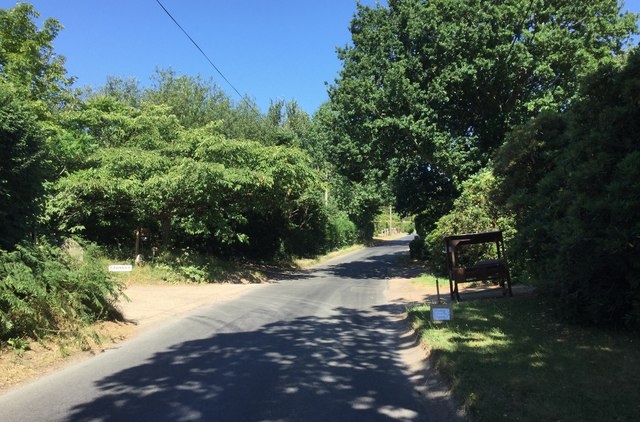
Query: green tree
{"x": 189, "y": 186}
{"x": 197, "y": 103}
{"x": 571, "y": 180}
{"x": 126, "y": 91}
{"x": 43, "y": 288}
{"x": 288, "y": 123}
{"x": 445, "y": 80}
{"x": 27, "y": 57}
{"x": 359, "y": 195}
{"x": 194, "y": 101}
{"x": 33, "y": 90}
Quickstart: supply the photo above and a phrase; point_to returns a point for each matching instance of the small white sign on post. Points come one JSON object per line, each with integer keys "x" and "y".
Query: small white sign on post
{"x": 441, "y": 312}
{"x": 120, "y": 268}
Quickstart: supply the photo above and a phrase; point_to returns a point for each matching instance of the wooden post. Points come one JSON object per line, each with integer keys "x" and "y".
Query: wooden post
{"x": 138, "y": 233}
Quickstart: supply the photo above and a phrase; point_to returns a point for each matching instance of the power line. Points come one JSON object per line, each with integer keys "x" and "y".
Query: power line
{"x": 205, "y": 56}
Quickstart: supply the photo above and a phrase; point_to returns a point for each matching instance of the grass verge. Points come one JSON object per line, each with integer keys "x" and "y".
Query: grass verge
{"x": 429, "y": 280}
{"x": 304, "y": 263}
{"x": 199, "y": 269}
{"x": 510, "y": 359}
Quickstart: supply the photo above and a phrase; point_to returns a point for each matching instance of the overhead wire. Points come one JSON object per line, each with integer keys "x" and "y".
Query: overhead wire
{"x": 244, "y": 98}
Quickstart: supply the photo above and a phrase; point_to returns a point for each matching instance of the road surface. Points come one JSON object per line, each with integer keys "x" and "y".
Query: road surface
{"x": 318, "y": 345}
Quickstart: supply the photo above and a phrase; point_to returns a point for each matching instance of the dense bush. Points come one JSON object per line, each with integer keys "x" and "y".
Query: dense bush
{"x": 474, "y": 211}
{"x": 341, "y": 231}
{"x": 45, "y": 288}
{"x": 578, "y": 211}
{"x": 407, "y": 226}
{"x": 21, "y": 167}
{"x": 417, "y": 248}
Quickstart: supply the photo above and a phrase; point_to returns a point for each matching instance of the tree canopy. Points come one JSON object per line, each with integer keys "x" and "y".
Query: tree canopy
{"x": 178, "y": 157}
{"x": 443, "y": 81}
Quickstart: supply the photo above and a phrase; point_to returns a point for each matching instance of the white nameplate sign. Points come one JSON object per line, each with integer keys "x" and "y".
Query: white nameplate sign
{"x": 441, "y": 313}
{"x": 120, "y": 268}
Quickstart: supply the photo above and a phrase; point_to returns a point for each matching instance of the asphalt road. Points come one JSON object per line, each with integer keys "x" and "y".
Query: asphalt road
{"x": 317, "y": 345}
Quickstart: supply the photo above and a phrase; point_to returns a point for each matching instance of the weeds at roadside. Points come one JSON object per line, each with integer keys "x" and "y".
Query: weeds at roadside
{"x": 303, "y": 263}
{"x": 18, "y": 345}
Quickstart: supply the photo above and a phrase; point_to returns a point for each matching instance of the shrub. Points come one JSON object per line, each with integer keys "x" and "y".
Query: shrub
{"x": 578, "y": 212}
{"x": 43, "y": 288}
{"x": 417, "y": 249}
{"x": 407, "y": 226}
{"x": 473, "y": 211}
{"x": 340, "y": 231}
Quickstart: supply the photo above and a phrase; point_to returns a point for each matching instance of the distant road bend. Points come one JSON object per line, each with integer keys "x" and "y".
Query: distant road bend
{"x": 319, "y": 345}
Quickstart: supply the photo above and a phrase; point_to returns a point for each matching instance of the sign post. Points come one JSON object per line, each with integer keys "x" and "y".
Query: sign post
{"x": 441, "y": 311}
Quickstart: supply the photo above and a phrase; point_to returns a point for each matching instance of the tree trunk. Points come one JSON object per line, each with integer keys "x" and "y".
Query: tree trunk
{"x": 165, "y": 231}
{"x": 138, "y": 233}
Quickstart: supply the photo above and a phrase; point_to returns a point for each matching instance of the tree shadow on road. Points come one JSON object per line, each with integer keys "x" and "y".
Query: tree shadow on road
{"x": 377, "y": 267}
{"x": 340, "y": 367}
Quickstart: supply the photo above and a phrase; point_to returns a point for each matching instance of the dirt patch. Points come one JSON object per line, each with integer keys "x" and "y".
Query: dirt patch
{"x": 149, "y": 304}
{"x": 44, "y": 356}
{"x": 405, "y": 291}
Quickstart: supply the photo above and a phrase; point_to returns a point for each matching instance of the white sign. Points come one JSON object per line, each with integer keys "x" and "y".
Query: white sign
{"x": 441, "y": 313}
{"x": 120, "y": 268}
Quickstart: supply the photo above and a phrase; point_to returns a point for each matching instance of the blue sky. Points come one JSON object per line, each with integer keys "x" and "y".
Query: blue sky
{"x": 268, "y": 49}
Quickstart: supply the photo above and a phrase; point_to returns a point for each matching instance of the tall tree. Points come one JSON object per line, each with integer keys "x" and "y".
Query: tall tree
{"x": 28, "y": 59}
{"x": 33, "y": 89}
{"x": 445, "y": 80}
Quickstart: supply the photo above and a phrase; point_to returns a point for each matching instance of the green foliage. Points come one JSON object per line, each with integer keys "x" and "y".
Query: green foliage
{"x": 186, "y": 265}
{"x": 423, "y": 189}
{"x": 287, "y": 123}
{"x": 407, "y": 226}
{"x": 45, "y": 289}
{"x": 418, "y": 249}
{"x": 33, "y": 91}
{"x": 473, "y": 211}
{"x": 359, "y": 198}
{"x": 384, "y": 221}
{"x": 341, "y": 231}
{"x": 191, "y": 187}
{"x": 162, "y": 158}
{"x": 17, "y": 344}
{"x": 429, "y": 89}
{"x": 572, "y": 181}
{"x": 445, "y": 80}
{"x": 22, "y": 168}
{"x": 27, "y": 58}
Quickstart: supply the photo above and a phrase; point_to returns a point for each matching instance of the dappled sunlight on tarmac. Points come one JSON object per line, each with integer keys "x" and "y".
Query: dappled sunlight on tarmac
{"x": 322, "y": 368}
